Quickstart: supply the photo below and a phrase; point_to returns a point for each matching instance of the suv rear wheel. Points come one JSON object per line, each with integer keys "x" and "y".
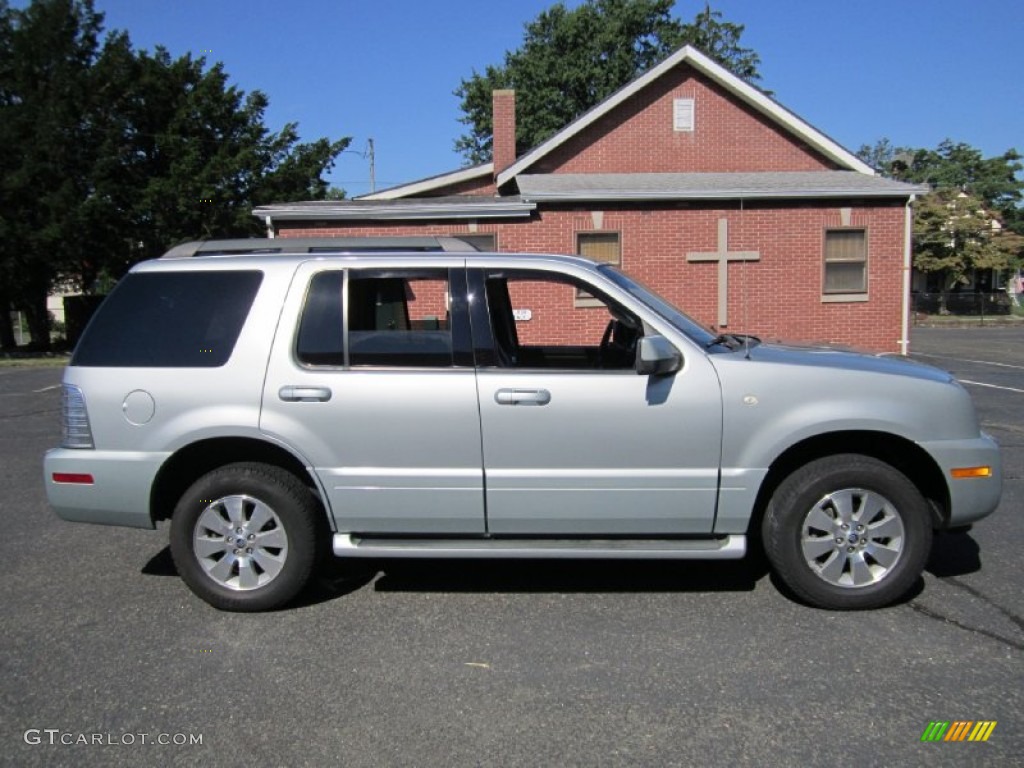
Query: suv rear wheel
{"x": 243, "y": 537}
{"x": 847, "y": 532}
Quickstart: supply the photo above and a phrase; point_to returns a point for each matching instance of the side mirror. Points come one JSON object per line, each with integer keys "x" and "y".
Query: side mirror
{"x": 655, "y": 356}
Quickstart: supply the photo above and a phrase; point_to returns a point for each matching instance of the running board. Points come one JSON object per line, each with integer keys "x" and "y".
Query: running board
{"x": 731, "y": 547}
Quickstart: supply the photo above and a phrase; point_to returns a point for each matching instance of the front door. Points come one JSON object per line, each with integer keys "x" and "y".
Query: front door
{"x": 371, "y": 378}
{"x": 575, "y": 442}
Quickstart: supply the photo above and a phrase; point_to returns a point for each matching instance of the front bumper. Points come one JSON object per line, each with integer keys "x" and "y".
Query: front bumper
{"x": 975, "y": 497}
{"x": 119, "y": 493}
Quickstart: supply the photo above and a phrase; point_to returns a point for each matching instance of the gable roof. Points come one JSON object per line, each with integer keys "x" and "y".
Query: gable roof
{"x": 431, "y": 183}
{"x": 743, "y": 91}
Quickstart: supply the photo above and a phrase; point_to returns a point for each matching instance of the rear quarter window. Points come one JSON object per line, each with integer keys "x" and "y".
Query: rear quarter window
{"x": 169, "y": 320}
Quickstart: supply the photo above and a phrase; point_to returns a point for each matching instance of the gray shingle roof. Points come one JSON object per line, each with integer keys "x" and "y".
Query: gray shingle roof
{"x": 452, "y": 206}
{"x": 709, "y": 186}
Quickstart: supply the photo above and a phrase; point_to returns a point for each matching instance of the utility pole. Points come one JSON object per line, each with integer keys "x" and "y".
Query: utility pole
{"x": 373, "y": 171}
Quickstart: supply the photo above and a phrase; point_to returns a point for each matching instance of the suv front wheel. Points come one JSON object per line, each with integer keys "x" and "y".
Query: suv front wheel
{"x": 243, "y": 537}
{"x": 847, "y": 532}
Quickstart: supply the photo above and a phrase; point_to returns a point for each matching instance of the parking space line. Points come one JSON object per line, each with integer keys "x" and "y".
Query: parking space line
{"x": 990, "y": 386}
{"x": 46, "y": 389}
{"x": 964, "y": 360}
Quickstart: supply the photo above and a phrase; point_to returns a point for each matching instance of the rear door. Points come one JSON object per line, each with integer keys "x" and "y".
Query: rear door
{"x": 371, "y": 379}
{"x": 574, "y": 441}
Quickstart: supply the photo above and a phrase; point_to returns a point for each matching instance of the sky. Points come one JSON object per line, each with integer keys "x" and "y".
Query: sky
{"x": 914, "y": 71}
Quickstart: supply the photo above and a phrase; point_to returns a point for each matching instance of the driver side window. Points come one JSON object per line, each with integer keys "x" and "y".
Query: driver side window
{"x": 536, "y": 323}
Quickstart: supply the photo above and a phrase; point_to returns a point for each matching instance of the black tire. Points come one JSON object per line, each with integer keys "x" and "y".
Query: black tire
{"x": 226, "y": 565}
{"x": 830, "y": 566}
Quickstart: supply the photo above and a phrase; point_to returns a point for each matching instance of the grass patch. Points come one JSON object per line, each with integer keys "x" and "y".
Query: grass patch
{"x": 967, "y": 321}
{"x": 26, "y": 360}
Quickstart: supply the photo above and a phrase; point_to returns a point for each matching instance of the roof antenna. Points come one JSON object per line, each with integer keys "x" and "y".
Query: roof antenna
{"x": 743, "y": 293}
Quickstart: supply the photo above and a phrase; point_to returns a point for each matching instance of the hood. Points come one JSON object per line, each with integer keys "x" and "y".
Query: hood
{"x": 826, "y": 357}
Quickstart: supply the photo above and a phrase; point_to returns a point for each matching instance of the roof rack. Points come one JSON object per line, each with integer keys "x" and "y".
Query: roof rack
{"x": 256, "y": 245}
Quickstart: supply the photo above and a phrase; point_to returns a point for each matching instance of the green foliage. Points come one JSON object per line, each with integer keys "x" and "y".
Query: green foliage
{"x": 953, "y": 226}
{"x": 721, "y": 41}
{"x": 959, "y": 166}
{"x": 110, "y": 155}
{"x": 46, "y": 53}
{"x": 571, "y": 60}
{"x": 955, "y": 233}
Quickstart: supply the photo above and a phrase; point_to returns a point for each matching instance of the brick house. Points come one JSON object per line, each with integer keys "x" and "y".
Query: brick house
{"x": 694, "y": 182}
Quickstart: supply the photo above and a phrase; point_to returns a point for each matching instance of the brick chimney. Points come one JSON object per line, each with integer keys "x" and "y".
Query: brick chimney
{"x": 504, "y": 119}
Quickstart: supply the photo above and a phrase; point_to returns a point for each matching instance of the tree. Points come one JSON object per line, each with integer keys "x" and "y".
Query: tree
{"x": 956, "y": 165}
{"x": 108, "y": 155}
{"x": 571, "y": 60}
{"x": 972, "y": 220}
{"x": 46, "y": 52}
{"x": 955, "y": 233}
{"x": 721, "y": 41}
{"x": 188, "y": 156}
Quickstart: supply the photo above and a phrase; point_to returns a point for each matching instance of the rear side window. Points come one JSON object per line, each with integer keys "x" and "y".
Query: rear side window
{"x": 169, "y": 320}
{"x": 395, "y": 318}
{"x": 399, "y": 320}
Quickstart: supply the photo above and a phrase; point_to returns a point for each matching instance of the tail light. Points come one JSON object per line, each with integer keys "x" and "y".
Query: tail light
{"x": 75, "y": 429}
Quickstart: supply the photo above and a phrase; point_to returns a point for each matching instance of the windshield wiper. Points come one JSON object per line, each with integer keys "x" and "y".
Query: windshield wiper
{"x": 734, "y": 341}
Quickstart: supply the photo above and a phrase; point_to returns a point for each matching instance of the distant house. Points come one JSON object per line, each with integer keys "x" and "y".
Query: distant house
{"x": 691, "y": 180}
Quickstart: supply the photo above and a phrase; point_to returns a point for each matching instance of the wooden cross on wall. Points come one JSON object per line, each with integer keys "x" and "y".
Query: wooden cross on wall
{"x": 723, "y": 256}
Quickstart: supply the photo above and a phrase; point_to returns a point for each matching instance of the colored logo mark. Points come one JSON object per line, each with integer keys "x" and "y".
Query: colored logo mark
{"x": 958, "y": 730}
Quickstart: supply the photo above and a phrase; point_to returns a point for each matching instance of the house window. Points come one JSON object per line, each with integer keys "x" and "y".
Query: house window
{"x": 598, "y": 246}
{"x": 846, "y": 261}
{"x": 682, "y": 115}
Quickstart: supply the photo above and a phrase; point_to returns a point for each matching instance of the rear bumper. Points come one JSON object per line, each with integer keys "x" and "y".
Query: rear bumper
{"x": 971, "y": 498}
{"x": 119, "y": 493}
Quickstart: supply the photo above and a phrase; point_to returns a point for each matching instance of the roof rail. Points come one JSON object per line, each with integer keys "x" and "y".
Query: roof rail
{"x": 256, "y": 245}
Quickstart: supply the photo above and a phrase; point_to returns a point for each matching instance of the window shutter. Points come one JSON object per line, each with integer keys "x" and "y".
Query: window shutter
{"x": 682, "y": 115}
{"x": 599, "y": 246}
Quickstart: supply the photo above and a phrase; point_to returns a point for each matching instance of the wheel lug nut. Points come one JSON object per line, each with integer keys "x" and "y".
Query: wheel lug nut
{"x": 248, "y": 550}
{"x": 846, "y": 527}
{"x": 252, "y": 536}
{"x": 238, "y": 530}
{"x": 238, "y": 551}
{"x": 849, "y": 549}
{"x": 839, "y": 539}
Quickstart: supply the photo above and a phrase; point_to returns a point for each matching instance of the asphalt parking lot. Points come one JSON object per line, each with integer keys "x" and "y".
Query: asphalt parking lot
{"x": 505, "y": 664}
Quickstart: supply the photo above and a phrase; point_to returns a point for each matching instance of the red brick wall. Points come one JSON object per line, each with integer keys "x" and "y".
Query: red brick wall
{"x": 778, "y": 297}
{"x": 638, "y": 136}
{"x": 556, "y": 319}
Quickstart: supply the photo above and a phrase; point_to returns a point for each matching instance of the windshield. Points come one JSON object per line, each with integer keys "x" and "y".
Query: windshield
{"x": 682, "y": 322}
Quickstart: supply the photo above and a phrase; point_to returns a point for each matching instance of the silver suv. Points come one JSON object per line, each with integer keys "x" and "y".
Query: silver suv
{"x": 277, "y": 400}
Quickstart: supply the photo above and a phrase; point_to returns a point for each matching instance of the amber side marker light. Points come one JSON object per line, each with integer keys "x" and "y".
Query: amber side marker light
{"x": 72, "y": 477}
{"x": 961, "y": 473}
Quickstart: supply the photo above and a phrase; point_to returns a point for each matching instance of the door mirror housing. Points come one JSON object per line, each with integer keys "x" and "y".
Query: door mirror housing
{"x": 655, "y": 356}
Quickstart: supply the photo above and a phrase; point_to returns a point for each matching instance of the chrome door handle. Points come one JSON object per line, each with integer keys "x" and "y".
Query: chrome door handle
{"x": 522, "y": 397}
{"x": 296, "y": 394}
